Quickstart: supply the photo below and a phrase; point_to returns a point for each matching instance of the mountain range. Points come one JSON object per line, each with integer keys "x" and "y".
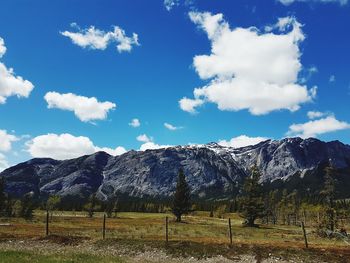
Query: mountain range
{"x": 212, "y": 171}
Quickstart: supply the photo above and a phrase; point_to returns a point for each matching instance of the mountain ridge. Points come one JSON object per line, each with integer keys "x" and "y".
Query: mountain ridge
{"x": 213, "y": 171}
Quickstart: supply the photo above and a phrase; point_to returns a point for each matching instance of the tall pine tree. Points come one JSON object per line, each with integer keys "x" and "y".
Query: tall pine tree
{"x": 328, "y": 195}
{"x": 181, "y": 203}
{"x": 252, "y": 202}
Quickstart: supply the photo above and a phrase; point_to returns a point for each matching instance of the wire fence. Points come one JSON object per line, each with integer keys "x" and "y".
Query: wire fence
{"x": 163, "y": 227}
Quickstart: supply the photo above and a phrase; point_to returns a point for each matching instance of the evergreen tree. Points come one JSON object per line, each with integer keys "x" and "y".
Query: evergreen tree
{"x": 273, "y": 208}
{"x": 181, "y": 202}
{"x": 252, "y": 201}
{"x": 283, "y": 206}
{"x": 328, "y": 195}
{"x": 2, "y": 196}
{"x": 9, "y": 206}
{"x": 294, "y": 202}
{"x": 27, "y": 206}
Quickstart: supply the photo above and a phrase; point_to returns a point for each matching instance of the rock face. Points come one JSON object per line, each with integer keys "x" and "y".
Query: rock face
{"x": 154, "y": 172}
{"x": 213, "y": 171}
{"x": 282, "y": 159}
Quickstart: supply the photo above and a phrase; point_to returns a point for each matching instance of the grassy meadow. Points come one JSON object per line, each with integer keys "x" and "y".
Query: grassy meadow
{"x": 134, "y": 230}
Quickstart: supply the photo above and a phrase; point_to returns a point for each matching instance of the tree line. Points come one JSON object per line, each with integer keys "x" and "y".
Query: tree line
{"x": 255, "y": 202}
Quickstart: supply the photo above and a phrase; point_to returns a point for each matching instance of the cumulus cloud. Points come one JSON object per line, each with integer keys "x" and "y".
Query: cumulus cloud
{"x": 316, "y": 114}
{"x": 10, "y": 84}
{"x": 86, "y": 109}
{"x": 135, "y": 123}
{"x": 6, "y": 141}
{"x": 117, "y": 151}
{"x": 144, "y": 138}
{"x": 148, "y": 143}
{"x": 171, "y": 127}
{"x": 249, "y": 69}
{"x": 94, "y": 38}
{"x": 65, "y": 146}
{"x": 242, "y": 141}
{"x": 170, "y": 4}
{"x": 314, "y": 128}
{"x": 190, "y": 105}
{"x": 289, "y": 2}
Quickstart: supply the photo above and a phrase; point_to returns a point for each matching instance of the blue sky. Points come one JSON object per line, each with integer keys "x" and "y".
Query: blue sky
{"x": 256, "y": 74}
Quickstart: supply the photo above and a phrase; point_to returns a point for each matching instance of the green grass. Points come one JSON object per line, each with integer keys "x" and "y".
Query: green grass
{"x": 22, "y": 257}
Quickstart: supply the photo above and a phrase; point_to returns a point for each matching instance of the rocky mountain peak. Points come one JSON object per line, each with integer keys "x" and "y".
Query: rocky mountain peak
{"x": 212, "y": 170}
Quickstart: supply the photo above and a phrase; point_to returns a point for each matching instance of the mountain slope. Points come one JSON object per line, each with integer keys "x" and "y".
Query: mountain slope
{"x": 282, "y": 159}
{"x": 213, "y": 171}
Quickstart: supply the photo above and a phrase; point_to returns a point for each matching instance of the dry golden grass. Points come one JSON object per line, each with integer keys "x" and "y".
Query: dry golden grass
{"x": 147, "y": 226}
{"x": 197, "y": 235}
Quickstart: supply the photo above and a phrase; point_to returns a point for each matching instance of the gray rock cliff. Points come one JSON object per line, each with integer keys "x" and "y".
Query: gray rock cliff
{"x": 212, "y": 171}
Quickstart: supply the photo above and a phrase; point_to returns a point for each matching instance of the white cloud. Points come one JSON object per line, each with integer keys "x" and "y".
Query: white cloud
{"x": 170, "y": 4}
{"x": 135, "y": 123}
{"x": 2, "y": 47}
{"x": 249, "y": 69}
{"x": 3, "y": 162}
{"x": 6, "y": 141}
{"x": 332, "y": 78}
{"x": 124, "y": 43}
{"x": 190, "y": 105}
{"x": 65, "y": 146}
{"x": 288, "y": 2}
{"x": 152, "y": 146}
{"x": 144, "y": 138}
{"x": 10, "y": 84}
{"x": 148, "y": 143}
{"x": 317, "y": 127}
{"x": 117, "y": 151}
{"x": 316, "y": 114}
{"x": 86, "y": 109}
{"x": 171, "y": 127}
{"x": 242, "y": 141}
{"x": 98, "y": 39}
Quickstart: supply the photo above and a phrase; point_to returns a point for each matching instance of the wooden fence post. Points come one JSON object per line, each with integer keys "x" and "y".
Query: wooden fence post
{"x": 166, "y": 230}
{"x": 304, "y": 233}
{"x": 230, "y": 230}
{"x": 47, "y": 223}
{"x": 104, "y": 226}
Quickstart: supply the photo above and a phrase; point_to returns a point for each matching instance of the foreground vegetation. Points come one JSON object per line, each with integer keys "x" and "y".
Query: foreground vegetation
{"x": 199, "y": 235}
{"x": 29, "y": 256}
